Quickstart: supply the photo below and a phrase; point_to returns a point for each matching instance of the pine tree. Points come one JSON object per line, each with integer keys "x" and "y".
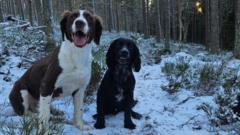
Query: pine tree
{"x": 237, "y": 30}
{"x": 1, "y": 12}
{"x": 47, "y": 21}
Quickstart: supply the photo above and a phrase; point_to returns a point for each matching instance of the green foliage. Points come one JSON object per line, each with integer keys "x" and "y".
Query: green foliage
{"x": 208, "y": 73}
{"x": 2, "y": 62}
{"x": 20, "y": 40}
{"x": 168, "y": 68}
{"x": 181, "y": 68}
{"x": 231, "y": 81}
{"x": 176, "y": 75}
{"x": 29, "y": 125}
{"x": 209, "y": 78}
{"x": 98, "y": 68}
{"x": 224, "y": 114}
{"x": 5, "y": 51}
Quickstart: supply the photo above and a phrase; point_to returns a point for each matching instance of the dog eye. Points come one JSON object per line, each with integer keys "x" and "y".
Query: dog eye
{"x": 89, "y": 18}
{"x": 74, "y": 15}
{"x": 130, "y": 46}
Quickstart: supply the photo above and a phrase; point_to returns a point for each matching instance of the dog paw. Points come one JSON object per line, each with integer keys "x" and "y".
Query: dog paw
{"x": 94, "y": 116}
{"x": 99, "y": 125}
{"x": 82, "y": 126}
{"x": 130, "y": 126}
{"x": 136, "y": 115}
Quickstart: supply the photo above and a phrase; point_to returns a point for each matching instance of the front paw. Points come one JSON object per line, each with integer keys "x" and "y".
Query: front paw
{"x": 95, "y": 116}
{"x": 82, "y": 126}
{"x": 136, "y": 115}
{"x": 99, "y": 125}
{"x": 130, "y": 126}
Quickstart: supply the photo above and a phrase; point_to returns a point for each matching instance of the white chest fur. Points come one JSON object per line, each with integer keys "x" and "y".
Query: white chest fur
{"x": 76, "y": 68}
{"x": 119, "y": 96}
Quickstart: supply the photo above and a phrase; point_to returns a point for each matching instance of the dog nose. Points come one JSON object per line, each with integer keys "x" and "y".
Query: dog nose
{"x": 124, "y": 53}
{"x": 79, "y": 24}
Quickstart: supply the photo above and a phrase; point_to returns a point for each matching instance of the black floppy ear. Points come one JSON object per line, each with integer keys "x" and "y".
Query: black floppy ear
{"x": 110, "y": 55}
{"x": 63, "y": 24}
{"x": 98, "y": 29}
{"x": 136, "y": 60}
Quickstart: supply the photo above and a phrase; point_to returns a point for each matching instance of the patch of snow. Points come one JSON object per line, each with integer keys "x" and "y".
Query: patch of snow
{"x": 163, "y": 113}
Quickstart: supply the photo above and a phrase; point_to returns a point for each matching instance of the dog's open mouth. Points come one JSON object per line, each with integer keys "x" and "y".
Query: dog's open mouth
{"x": 123, "y": 60}
{"x": 80, "y": 39}
{"x": 123, "y": 57}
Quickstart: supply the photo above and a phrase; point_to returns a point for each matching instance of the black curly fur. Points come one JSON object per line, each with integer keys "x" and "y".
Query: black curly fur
{"x": 118, "y": 77}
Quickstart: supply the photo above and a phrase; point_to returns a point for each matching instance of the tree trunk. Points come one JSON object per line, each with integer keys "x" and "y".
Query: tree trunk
{"x": 1, "y": 12}
{"x": 147, "y": 18}
{"x": 110, "y": 15}
{"x": 125, "y": 19}
{"x": 13, "y": 8}
{"x": 185, "y": 31}
{"x": 106, "y": 22}
{"x": 174, "y": 19}
{"x": 39, "y": 9}
{"x": 215, "y": 27}
{"x": 167, "y": 35}
{"x": 30, "y": 11}
{"x": 117, "y": 17}
{"x": 237, "y": 31}
{"x": 68, "y": 5}
{"x": 47, "y": 15}
{"x": 180, "y": 8}
{"x": 9, "y": 11}
{"x": 17, "y": 5}
{"x": 159, "y": 27}
{"x": 207, "y": 23}
{"x": 132, "y": 14}
{"x": 144, "y": 11}
{"x": 94, "y": 6}
{"x": 21, "y": 10}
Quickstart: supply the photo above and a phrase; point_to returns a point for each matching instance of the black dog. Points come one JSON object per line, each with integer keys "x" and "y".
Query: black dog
{"x": 115, "y": 93}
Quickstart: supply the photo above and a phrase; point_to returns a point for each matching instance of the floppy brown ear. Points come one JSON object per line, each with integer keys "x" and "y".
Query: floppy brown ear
{"x": 98, "y": 29}
{"x": 63, "y": 24}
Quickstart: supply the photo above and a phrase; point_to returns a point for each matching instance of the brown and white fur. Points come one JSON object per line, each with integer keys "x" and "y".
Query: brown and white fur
{"x": 66, "y": 71}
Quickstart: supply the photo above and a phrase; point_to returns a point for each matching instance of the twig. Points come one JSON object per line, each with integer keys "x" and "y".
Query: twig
{"x": 187, "y": 122}
{"x": 185, "y": 100}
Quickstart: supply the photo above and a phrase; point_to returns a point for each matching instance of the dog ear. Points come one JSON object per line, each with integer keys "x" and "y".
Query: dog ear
{"x": 98, "y": 29}
{"x": 110, "y": 55}
{"x": 136, "y": 60}
{"x": 63, "y": 24}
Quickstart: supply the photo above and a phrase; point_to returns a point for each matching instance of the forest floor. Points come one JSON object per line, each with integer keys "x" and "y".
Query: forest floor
{"x": 172, "y": 94}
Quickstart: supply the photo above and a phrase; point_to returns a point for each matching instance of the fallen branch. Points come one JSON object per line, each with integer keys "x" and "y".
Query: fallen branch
{"x": 10, "y": 18}
{"x": 28, "y": 60}
{"x": 23, "y": 26}
{"x": 38, "y": 27}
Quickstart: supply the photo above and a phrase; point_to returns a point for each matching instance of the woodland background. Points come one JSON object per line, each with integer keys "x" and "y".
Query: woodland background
{"x": 189, "y": 82}
{"x": 214, "y": 23}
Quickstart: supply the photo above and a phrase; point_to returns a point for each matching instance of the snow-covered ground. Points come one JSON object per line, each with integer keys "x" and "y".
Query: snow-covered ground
{"x": 163, "y": 113}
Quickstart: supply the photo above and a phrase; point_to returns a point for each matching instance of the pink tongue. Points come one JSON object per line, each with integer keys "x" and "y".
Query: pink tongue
{"x": 79, "y": 41}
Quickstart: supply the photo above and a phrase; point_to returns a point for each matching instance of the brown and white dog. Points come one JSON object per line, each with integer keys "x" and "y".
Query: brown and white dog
{"x": 66, "y": 71}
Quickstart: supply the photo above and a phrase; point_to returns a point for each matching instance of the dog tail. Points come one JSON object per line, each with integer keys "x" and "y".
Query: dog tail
{"x": 16, "y": 99}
